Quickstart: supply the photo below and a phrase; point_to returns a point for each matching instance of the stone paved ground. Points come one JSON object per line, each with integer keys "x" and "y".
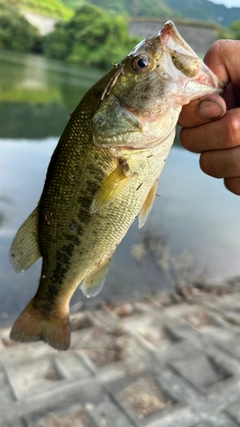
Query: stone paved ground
{"x": 166, "y": 361}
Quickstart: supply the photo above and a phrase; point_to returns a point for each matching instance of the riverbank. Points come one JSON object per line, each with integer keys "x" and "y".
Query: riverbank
{"x": 172, "y": 358}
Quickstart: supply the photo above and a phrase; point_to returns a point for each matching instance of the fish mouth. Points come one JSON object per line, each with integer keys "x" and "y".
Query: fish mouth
{"x": 187, "y": 61}
{"x": 171, "y": 37}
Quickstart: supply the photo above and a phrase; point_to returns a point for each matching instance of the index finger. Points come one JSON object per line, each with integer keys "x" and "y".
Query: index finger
{"x": 222, "y": 58}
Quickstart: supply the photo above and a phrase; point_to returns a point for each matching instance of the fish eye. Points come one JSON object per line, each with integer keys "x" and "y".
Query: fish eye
{"x": 140, "y": 63}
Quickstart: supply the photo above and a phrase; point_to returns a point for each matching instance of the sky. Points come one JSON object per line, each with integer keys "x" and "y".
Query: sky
{"x": 228, "y": 3}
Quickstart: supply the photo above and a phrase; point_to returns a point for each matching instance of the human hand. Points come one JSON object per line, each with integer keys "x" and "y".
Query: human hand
{"x": 211, "y": 126}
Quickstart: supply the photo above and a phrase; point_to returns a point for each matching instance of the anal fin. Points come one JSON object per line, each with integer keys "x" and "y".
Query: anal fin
{"x": 110, "y": 189}
{"x": 93, "y": 284}
{"x": 147, "y": 205}
{"x": 24, "y": 250}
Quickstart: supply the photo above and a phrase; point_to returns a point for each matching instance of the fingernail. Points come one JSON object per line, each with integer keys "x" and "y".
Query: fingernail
{"x": 209, "y": 109}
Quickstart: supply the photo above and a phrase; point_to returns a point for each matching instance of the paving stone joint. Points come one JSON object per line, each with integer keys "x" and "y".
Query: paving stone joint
{"x": 142, "y": 364}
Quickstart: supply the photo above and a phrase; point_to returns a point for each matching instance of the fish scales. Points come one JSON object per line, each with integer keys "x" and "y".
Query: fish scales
{"x": 111, "y": 222}
{"x": 102, "y": 174}
{"x": 111, "y": 225}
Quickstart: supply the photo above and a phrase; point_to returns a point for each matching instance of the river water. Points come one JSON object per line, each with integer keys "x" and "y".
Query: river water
{"x": 192, "y": 232}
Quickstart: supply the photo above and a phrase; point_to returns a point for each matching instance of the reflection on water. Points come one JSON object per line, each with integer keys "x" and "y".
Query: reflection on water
{"x": 37, "y": 94}
{"x": 199, "y": 215}
{"x": 195, "y": 214}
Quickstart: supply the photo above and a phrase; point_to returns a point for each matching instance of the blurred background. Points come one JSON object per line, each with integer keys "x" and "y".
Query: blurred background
{"x": 51, "y": 52}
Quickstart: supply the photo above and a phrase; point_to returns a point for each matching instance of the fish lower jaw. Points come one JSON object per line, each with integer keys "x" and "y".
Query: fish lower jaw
{"x": 196, "y": 90}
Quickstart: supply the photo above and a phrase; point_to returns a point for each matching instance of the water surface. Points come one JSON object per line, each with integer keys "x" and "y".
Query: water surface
{"x": 194, "y": 223}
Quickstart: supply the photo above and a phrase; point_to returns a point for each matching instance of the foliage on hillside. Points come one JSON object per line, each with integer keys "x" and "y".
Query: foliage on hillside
{"x": 16, "y": 33}
{"x": 197, "y": 10}
{"x": 232, "y": 32}
{"x": 92, "y": 37}
{"x": 157, "y": 8}
{"x": 205, "y": 10}
{"x": 74, "y": 4}
{"x": 54, "y": 8}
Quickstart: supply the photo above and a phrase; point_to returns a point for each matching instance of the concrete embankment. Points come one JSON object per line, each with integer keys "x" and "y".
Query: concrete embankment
{"x": 172, "y": 361}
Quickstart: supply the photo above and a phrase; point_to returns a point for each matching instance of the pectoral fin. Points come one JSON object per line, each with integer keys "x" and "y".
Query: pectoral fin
{"x": 110, "y": 189}
{"x": 147, "y": 205}
{"x": 93, "y": 284}
{"x": 24, "y": 250}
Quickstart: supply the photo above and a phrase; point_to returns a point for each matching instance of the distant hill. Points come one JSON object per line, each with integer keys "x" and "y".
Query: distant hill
{"x": 153, "y": 8}
{"x": 130, "y": 7}
{"x": 205, "y": 10}
{"x": 54, "y": 8}
{"x": 197, "y": 10}
{"x": 74, "y": 4}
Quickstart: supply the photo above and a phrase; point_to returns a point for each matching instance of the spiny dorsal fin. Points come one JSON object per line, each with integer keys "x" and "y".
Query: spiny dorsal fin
{"x": 147, "y": 205}
{"x": 110, "y": 189}
{"x": 93, "y": 284}
{"x": 24, "y": 250}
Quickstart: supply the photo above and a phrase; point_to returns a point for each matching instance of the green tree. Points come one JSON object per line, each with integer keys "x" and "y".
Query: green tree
{"x": 58, "y": 43}
{"x": 231, "y": 32}
{"x": 54, "y": 8}
{"x": 235, "y": 30}
{"x": 92, "y": 37}
{"x": 16, "y": 33}
{"x": 153, "y": 8}
{"x": 144, "y": 8}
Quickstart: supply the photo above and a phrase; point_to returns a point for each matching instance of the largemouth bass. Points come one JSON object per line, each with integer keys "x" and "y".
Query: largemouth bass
{"x": 103, "y": 173}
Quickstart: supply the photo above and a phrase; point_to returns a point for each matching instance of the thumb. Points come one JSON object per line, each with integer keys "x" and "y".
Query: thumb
{"x": 196, "y": 113}
{"x": 212, "y": 107}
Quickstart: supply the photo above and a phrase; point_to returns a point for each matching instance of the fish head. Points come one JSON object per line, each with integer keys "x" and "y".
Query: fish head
{"x": 149, "y": 87}
{"x": 161, "y": 71}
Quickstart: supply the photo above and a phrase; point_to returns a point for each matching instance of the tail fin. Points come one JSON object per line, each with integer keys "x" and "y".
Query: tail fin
{"x": 32, "y": 326}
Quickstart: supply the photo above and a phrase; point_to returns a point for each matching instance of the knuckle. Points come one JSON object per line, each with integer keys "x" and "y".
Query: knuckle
{"x": 212, "y": 164}
{"x": 184, "y": 137}
{"x": 205, "y": 165}
{"x": 189, "y": 139}
{"x": 233, "y": 185}
{"x": 216, "y": 47}
{"x": 233, "y": 128}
